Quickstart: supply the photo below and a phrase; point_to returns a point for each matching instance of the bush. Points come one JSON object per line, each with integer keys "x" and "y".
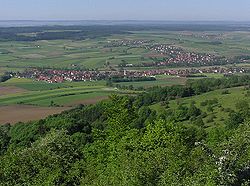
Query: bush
{"x": 228, "y": 110}
{"x": 211, "y": 118}
{"x": 222, "y": 109}
{"x": 210, "y": 108}
{"x": 235, "y": 119}
{"x": 203, "y": 104}
{"x": 203, "y": 114}
{"x": 225, "y": 92}
{"x": 199, "y": 122}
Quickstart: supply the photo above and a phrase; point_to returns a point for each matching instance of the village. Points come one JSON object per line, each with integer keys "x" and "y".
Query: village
{"x": 176, "y": 55}
{"x": 169, "y": 54}
{"x": 60, "y": 76}
{"x": 126, "y": 42}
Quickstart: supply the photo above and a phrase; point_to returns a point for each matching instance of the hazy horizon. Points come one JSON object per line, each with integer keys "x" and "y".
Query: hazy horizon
{"x": 152, "y": 10}
{"x": 24, "y": 23}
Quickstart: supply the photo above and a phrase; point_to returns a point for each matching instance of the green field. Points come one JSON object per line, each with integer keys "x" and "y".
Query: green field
{"x": 60, "y": 97}
{"x": 162, "y": 80}
{"x": 231, "y": 43}
{"x": 33, "y": 85}
{"x": 64, "y": 94}
{"x": 71, "y": 93}
{"x": 93, "y": 53}
{"x": 65, "y": 53}
{"x": 220, "y": 110}
{"x": 166, "y": 80}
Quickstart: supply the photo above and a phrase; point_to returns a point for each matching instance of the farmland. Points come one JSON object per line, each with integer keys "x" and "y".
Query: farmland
{"x": 27, "y": 99}
{"x": 96, "y": 53}
{"x": 160, "y": 81}
{"x": 167, "y": 54}
{"x": 25, "y": 113}
{"x": 24, "y": 95}
{"x": 42, "y": 94}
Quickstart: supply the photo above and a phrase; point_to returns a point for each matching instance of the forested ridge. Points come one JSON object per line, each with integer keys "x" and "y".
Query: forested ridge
{"x": 123, "y": 141}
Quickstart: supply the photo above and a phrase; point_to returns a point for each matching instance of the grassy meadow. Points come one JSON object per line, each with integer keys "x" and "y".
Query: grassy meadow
{"x": 216, "y": 112}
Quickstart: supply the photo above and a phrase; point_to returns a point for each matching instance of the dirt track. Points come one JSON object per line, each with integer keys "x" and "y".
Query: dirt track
{"x": 24, "y": 113}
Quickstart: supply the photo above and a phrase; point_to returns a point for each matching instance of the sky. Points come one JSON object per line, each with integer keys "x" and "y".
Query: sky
{"x": 167, "y": 10}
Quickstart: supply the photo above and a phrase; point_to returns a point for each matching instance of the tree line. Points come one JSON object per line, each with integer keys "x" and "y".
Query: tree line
{"x": 5, "y": 77}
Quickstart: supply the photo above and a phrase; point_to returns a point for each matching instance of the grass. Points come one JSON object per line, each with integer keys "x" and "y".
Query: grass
{"x": 226, "y": 100}
{"x": 162, "y": 80}
{"x": 33, "y": 85}
{"x": 70, "y": 93}
{"x": 88, "y": 97}
{"x": 63, "y": 53}
{"x": 208, "y": 75}
{"x": 41, "y": 93}
{"x": 92, "y": 53}
{"x": 220, "y": 110}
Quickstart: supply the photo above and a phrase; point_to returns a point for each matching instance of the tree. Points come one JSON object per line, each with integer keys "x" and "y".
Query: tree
{"x": 109, "y": 83}
{"x": 52, "y": 103}
{"x": 243, "y": 108}
{"x": 4, "y": 138}
{"x": 181, "y": 113}
{"x": 52, "y": 160}
{"x": 199, "y": 122}
{"x": 235, "y": 119}
{"x": 193, "y": 111}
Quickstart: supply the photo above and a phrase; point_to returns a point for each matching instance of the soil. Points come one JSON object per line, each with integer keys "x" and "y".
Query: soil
{"x": 24, "y": 113}
{"x": 10, "y": 90}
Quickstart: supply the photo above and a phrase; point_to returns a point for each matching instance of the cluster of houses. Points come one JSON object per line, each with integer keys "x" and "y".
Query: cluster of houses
{"x": 170, "y": 55}
{"x": 207, "y": 36}
{"x": 192, "y": 71}
{"x": 176, "y": 55}
{"x": 127, "y": 42}
{"x": 59, "y": 76}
